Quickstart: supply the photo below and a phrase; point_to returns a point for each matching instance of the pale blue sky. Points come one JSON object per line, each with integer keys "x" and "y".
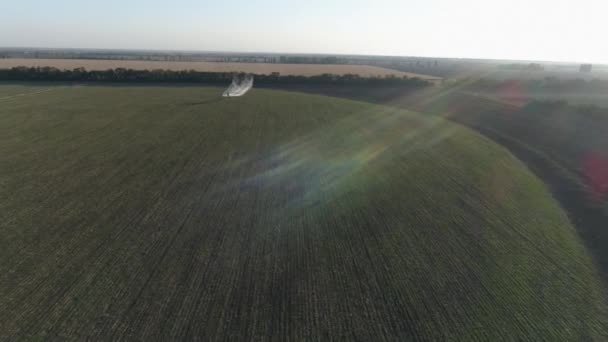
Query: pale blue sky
{"x": 516, "y": 29}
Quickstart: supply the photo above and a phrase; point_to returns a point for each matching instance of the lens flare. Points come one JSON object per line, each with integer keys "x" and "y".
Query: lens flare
{"x": 337, "y": 159}
{"x": 595, "y": 167}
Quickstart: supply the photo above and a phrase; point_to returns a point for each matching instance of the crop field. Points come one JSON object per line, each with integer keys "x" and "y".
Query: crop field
{"x": 254, "y": 68}
{"x": 172, "y": 213}
{"x": 564, "y": 144}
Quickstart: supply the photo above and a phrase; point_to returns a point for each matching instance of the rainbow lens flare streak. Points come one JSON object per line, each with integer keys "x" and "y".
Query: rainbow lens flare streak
{"x": 336, "y": 159}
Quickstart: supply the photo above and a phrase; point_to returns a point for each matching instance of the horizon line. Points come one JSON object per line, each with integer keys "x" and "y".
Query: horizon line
{"x": 302, "y": 54}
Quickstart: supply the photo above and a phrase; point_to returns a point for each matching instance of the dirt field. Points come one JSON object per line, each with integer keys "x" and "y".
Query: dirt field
{"x": 256, "y": 68}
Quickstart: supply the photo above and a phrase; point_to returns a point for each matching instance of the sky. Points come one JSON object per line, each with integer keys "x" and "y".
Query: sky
{"x": 561, "y": 30}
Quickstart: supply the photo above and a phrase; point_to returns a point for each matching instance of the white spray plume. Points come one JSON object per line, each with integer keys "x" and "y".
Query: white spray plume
{"x": 241, "y": 84}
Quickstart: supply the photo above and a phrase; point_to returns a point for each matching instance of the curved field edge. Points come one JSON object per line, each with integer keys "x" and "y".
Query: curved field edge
{"x": 167, "y": 213}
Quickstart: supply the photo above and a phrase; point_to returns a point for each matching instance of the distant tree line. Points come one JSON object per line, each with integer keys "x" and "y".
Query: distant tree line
{"x": 191, "y": 76}
{"x": 426, "y": 66}
{"x": 175, "y": 56}
{"x": 310, "y": 60}
{"x": 524, "y": 67}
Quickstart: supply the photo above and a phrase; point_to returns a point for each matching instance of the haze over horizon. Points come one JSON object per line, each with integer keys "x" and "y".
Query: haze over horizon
{"x": 516, "y": 30}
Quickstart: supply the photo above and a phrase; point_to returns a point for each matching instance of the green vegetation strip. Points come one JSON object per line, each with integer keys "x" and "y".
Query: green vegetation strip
{"x": 170, "y": 213}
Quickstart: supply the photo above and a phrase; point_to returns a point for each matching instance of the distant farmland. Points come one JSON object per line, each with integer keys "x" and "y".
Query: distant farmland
{"x": 167, "y": 213}
{"x": 255, "y": 68}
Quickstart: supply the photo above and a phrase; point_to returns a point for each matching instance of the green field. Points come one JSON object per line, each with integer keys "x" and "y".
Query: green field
{"x": 171, "y": 213}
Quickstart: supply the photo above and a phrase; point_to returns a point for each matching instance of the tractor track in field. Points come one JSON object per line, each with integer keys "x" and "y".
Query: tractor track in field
{"x": 29, "y": 93}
